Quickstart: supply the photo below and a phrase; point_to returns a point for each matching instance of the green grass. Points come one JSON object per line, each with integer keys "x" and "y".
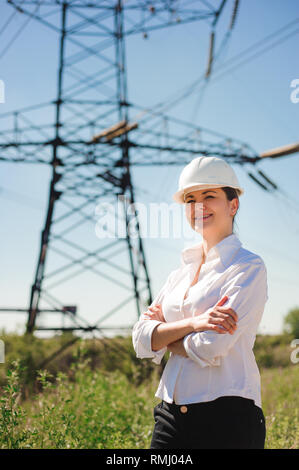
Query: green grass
{"x": 90, "y": 409}
{"x": 280, "y": 401}
{"x": 104, "y": 400}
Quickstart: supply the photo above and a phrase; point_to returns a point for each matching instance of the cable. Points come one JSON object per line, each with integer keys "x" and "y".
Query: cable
{"x": 188, "y": 90}
{"x": 222, "y": 48}
{"x": 278, "y": 193}
{"x": 8, "y": 21}
{"x": 20, "y": 30}
{"x": 271, "y": 46}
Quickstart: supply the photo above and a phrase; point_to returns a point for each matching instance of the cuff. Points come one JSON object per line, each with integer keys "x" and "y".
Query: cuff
{"x": 193, "y": 353}
{"x": 145, "y": 342}
{"x": 158, "y": 355}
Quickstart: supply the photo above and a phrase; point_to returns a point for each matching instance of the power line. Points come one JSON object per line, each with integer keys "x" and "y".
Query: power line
{"x": 118, "y": 182}
{"x": 14, "y": 13}
{"x": 258, "y": 54}
{"x": 17, "y": 34}
{"x": 189, "y": 89}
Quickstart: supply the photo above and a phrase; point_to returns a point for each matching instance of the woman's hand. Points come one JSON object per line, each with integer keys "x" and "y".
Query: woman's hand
{"x": 155, "y": 313}
{"x": 219, "y": 319}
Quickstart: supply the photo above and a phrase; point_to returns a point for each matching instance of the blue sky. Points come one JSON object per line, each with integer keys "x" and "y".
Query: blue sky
{"x": 251, "y": 102}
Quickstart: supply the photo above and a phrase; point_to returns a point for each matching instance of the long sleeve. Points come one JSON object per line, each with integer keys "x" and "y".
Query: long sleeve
{"x": 144, "y": 327}
{"x": 247, "y": 291}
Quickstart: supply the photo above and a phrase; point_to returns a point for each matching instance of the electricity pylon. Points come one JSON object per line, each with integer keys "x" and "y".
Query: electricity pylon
{"x": 93, "y": 143}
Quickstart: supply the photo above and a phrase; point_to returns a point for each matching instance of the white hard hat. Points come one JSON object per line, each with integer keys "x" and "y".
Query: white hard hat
{"x": 203, "y": 173}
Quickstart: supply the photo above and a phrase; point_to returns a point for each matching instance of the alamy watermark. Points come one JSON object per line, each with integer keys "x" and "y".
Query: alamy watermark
{"x": 2, "y": 352}
{"x": 153, "y": 220}
{"x": 2, "y": 91}
{"x": 295, "y": 354}
{"x": 294, "y": 97}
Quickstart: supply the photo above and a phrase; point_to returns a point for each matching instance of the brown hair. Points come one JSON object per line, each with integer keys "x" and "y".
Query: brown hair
{"x": 231, "y": 193}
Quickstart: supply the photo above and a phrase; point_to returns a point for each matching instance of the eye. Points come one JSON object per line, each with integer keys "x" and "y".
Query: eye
{"x": 191, "y": 200}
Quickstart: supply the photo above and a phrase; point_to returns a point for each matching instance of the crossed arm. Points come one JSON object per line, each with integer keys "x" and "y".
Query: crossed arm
{"x": 177, "y": 347}
{"x": 171, "y": 335}
{"x": 246, "y": 291}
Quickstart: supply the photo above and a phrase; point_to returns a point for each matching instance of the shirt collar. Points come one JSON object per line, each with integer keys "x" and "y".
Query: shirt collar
{"x": 224, "y": 250}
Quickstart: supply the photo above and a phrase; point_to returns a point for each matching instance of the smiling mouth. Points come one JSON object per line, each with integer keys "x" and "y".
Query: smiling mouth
{"x": 205, "y": 217}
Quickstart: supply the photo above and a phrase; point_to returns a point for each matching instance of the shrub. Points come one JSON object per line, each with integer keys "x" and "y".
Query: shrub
{"x": 291, "y": 322}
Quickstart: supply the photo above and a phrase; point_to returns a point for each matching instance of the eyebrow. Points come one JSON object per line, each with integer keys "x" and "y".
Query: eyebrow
{"x": 191, "y": 195}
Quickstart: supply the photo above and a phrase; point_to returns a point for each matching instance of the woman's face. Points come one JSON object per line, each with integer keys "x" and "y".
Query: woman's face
{"x": 214, "y": 214}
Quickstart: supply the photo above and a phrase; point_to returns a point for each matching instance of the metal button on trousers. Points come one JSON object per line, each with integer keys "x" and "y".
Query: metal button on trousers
{"x": 228, "y": 422}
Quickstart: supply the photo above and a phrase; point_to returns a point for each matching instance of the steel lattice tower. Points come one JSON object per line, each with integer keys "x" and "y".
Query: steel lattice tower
{"x": 93, "y": 143}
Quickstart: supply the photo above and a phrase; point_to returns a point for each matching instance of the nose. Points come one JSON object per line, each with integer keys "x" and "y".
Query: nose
{"x": 199, "y": 209}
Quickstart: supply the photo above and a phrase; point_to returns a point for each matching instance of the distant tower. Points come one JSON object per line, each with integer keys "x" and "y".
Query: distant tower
{"x": 91, "y": 147}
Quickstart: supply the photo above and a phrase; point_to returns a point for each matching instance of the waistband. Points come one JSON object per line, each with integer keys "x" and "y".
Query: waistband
{"x": 233, "y": 402}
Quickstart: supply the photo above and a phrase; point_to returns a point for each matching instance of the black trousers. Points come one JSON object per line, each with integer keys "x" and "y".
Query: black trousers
{"x": 229, "y": 422}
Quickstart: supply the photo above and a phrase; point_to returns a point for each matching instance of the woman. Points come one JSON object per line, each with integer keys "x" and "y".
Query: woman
{"x": 207, "y": 315}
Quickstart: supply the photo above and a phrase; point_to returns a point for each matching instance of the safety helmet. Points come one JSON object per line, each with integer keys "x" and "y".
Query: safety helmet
{"x": 203, "y": 173}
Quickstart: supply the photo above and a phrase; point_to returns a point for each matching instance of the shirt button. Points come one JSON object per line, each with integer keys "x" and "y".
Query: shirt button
{"x": 184, "y": 409}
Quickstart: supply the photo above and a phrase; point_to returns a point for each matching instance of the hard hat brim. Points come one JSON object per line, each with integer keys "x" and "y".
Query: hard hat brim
{"x": 179, "y": 195}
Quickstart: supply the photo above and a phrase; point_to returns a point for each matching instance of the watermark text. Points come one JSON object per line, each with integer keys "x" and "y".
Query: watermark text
{"x": 2, "y": 91}
{"x": 295, "y": 354}
{"x": 295, "y": 93}
{"x": 154, "y": 220}
{"x": 2, "y": 352}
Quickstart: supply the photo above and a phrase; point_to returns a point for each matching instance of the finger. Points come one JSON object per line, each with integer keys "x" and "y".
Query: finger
{"x": 223, "y": 323}
{"x": 150, "y": 314}
{"x": 232, "y": 323}
{"x": 216, "y": 328}
{"x": 222, "y": 301}
{"x": 219, "y": 317}
{"x": 228, "y": 326}
{"x": 229, "y": 311}
{"x": 228, "y": 318}
{"x": 220, "y": 312}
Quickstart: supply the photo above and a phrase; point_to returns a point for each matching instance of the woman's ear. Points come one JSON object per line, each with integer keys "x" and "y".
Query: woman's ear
{"x": 234, "y": 206}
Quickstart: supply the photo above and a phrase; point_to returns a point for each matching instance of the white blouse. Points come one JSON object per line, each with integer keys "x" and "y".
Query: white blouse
{"x": 217, "y": 364}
